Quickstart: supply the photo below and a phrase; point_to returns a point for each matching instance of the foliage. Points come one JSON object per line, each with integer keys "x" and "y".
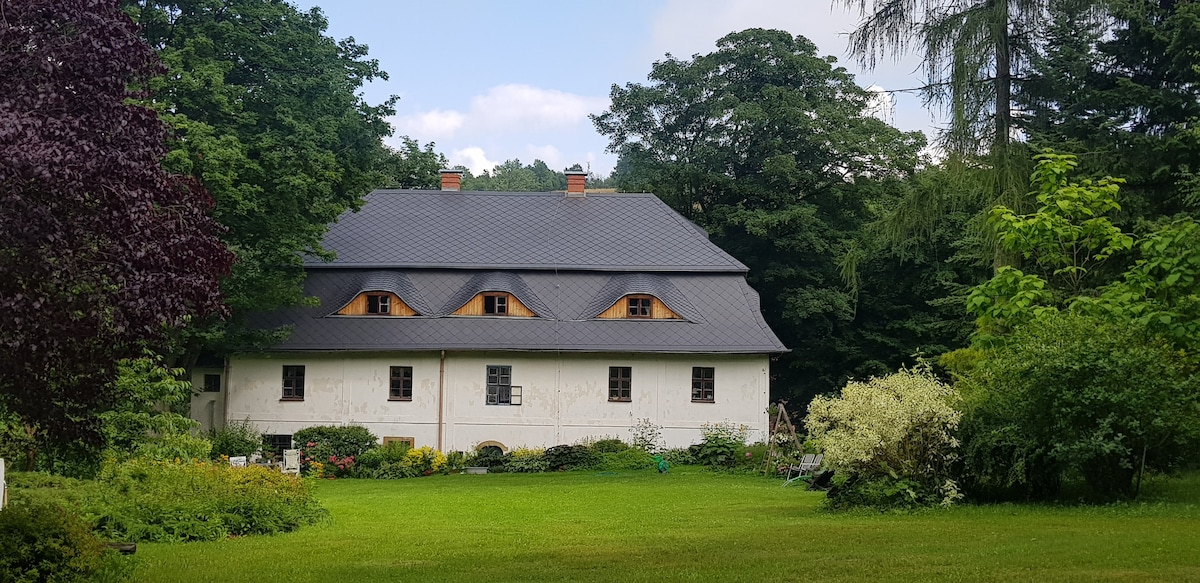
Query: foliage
{"x": 424, "y": 460}
{"x": 628, "y": 459}
{"x": 412, "y": 167}
{"x": 144, "y": 424}
{"x": 609, "y": 446}
{"x": 236, "y": 438}
{"x": 43, "y": 542}
{"x": 720, "y": 444}
{"x": 646, "y": 436}
{"x": 525, "y": 460}
{"x": 512, "y": 176}
{"x": 772, "y": 149}
{"x": 1070, "y": 396}
{"x": 571, "y": 457}
{"x": 680, "y": 457}
{"x": 103, "y": 250}
{"x": 334, "y": 446}
{"x": 388, "y": 453}
{"x": 889, "y": 432}
{"x": 268, "y": 114}
{"x": 487, "y": 457}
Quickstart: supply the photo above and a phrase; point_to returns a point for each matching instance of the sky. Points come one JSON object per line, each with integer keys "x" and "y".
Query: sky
{"x": 490, "y": 81}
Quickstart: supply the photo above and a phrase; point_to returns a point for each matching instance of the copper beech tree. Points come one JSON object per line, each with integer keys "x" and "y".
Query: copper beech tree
{"x": 101, "y": 250}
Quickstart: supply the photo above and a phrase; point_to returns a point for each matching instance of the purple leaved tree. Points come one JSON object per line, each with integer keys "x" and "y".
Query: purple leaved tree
{"x": 102, "y": 252}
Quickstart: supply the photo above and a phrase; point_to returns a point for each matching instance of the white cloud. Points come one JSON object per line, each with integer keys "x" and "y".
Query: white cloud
{"x": 551, "y": 155}
{"x": 503, "y": 108}
{"x": 429, "y": 125}
{"x": 517, "y": 106}
{"x": 881, "y": 105}
{"x": 473, "y": 158}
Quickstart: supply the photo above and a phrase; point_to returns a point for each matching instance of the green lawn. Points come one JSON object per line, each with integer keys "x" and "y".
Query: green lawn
{"x": 687, "y": 525}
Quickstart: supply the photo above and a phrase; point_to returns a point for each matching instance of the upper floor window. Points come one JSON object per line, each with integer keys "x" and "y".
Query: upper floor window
{"x": 703, "y": 385}
{"x": 495, "y": 304}
{"x": 400, "y": 383}
{"x": 293, "y": 383}
{"x": 639, "y": 306}
{"x": 379, "y": 304}
{"x": 620, "y": 383}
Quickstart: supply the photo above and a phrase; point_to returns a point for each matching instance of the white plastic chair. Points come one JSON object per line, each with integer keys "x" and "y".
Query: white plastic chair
{"x": 291, "y": 461}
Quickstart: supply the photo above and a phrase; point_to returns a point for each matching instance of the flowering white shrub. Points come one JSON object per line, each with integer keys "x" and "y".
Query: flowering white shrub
{"x": 899, "y": 426}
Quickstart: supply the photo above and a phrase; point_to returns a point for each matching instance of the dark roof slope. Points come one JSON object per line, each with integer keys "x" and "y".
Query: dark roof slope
{"x": 521, "y": 230}
{"x": 727, "y": 311}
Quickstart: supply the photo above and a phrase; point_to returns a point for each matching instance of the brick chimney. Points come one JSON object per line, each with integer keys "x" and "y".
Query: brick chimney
{"x": 451, "y": 179}
{"x": 575, "y": 181}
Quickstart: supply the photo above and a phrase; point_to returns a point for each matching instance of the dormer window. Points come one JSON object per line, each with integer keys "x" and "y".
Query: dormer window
{"x": 379, "y": 304}
{"x": 496, "y": 304}
{"x": 639, "y": 306}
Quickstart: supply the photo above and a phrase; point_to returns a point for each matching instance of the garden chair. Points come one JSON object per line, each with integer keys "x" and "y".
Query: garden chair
{"x": 291, "y": 462}
{"x": 808, "y": 464}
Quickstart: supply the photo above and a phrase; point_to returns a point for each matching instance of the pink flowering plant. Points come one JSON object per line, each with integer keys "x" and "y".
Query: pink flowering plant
{"x": 335, "y": 448}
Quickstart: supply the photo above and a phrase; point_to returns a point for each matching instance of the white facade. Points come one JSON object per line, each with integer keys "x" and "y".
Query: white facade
{"x": 564, "y": 396}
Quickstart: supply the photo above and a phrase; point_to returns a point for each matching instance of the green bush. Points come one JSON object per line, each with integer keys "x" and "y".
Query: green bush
{"x": 680, "y": 457}
{"x": 236, "y": 438}
{"x": 335, "y": 447}
{"x": 142, "y": 500}
{"x": 389, "y": 453}
{"x": 571, "y": 457}
{"x": 609, "y": 446}
{"x": 487, "y": 457}
{"x": 627, "y": 459}
{"x": 890, "y": 432}
{"x": 720, "y": 444}
{"x": 883, "y": 492}
{"x": 42, "y": 542}
{"x": 526, "y": 461}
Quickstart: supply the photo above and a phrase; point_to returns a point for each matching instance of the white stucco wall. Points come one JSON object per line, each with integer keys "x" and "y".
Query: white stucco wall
{"x": 565, "y": 396}
{"x": 208, "y": 408}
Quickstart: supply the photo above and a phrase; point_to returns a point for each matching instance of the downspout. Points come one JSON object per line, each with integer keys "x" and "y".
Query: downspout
{"x": 441, "y": 399}
{"x": 225, "y": 393}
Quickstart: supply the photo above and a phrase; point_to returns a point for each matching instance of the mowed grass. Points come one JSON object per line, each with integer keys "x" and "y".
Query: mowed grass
{"x": 688, "y": 525}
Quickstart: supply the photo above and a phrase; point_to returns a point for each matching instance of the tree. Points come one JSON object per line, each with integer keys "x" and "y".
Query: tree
{"x": 512, "y": 176}
{"x": 770, "y": 148}
{"x": 972, "y": 52}
{"x": 102, "y": 250}
{"x": 267, "y": 116}
{"x": 412, "y": 167}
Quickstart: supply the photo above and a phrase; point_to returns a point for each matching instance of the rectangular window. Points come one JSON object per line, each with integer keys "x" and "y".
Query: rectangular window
{"x": 495, "y": 304}
{"x": 212, "y": 383}
{"x": 379, "y": 304}
{"x": 500, "y": 390}
{"x": 293, "y": 383}
{"x": 400, "y": 385}
{"x": 620, "y": 383}
{"x": 702, "y": 384}
{"x": 639, "y": 307}
{"x": 276, "y": 443}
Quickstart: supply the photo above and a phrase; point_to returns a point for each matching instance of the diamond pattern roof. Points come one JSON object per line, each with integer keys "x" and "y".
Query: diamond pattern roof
{"x": 521, "y": 230}
{"x": 731, "y": 321}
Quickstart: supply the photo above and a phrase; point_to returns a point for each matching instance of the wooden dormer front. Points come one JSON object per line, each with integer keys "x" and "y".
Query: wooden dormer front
{"x": 647, "y": 307}
{"x": 489, "y": 304}
{"x": 364, "y": 305}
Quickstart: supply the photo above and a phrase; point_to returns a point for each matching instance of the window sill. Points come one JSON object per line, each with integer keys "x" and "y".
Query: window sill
{"x": 704, "y": 400}
{"x": 400, "y": 398}
{"x": 612, "y": 400}
{"x": 291, "y": 399}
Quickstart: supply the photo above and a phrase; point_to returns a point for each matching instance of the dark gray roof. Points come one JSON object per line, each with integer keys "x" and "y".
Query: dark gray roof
{"x": 722, "y": 311}
{"x": 521, "y": 230}
{"x": 391, "y": 281}
{"x": 619, "y": 286}
{"x": 497, "y": 281}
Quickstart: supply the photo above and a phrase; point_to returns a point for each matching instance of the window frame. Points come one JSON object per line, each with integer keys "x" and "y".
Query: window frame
{"x": 499, "y": 304}
{"x": 397, "y": 393}
{"x": 293, "y": 378}
{"x": 498, "y": 387}
{"x": 615, "y": 380}
{"x": 381, "y": 302}
{"x": 275, "y": 441}
{"x": 704, "y": 388}
{"x": 212, "y": 387}
{"x": 639, "y": 306}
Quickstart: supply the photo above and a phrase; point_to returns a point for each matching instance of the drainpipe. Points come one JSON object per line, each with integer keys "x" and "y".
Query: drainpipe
{"x": 441, "y": 399}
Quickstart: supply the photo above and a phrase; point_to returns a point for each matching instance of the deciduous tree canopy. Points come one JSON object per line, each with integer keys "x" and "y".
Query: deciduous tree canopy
{"x": 101, "y": 249}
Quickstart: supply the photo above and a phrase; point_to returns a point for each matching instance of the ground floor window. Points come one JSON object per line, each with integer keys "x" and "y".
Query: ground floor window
{"x": 212, "y": 383}
{"x": 702, "y": 384}
{"x": 276, "y": 443}
{"x": 620, "y": 383}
